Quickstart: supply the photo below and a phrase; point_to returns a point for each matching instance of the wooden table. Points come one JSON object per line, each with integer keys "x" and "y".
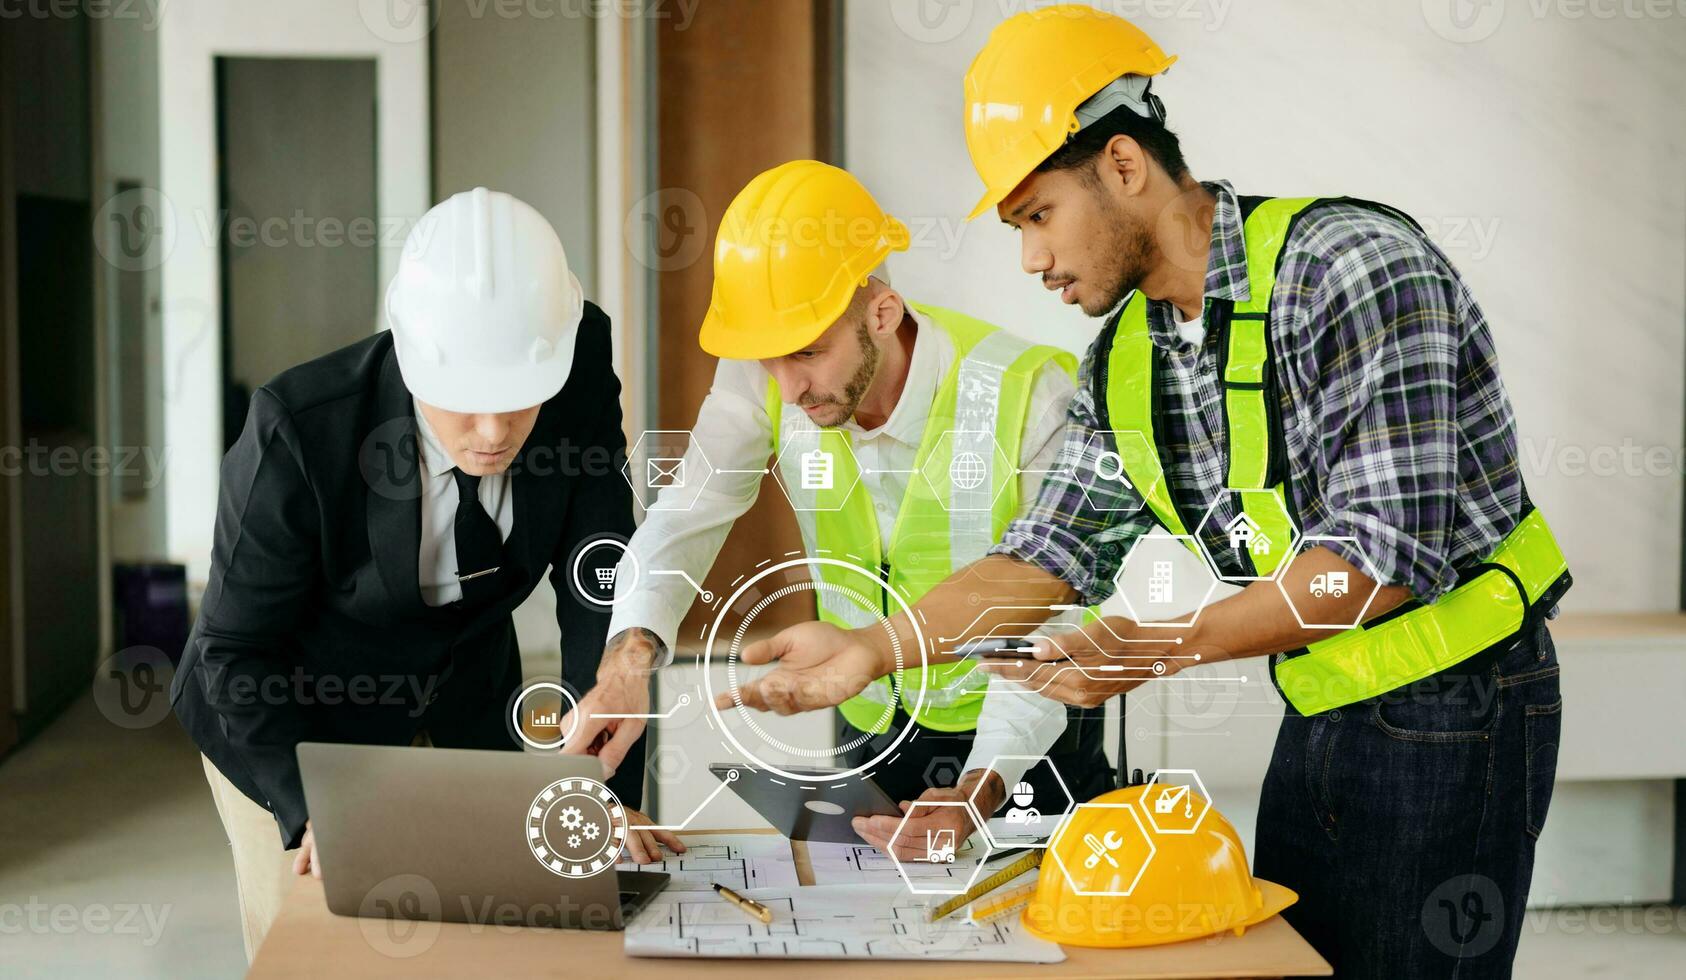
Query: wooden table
{"x": 309, "y": 941}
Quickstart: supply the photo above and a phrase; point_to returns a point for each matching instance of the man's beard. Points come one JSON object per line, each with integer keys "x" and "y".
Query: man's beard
{"x": 1133, "y": 245}
{"x": 855, "y": 389}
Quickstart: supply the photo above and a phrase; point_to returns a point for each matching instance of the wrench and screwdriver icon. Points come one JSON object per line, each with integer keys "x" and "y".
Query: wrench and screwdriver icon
{"x": 1102, "y": 848}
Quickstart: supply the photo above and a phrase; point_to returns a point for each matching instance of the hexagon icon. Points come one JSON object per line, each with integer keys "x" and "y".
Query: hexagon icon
{"x": 1108, "y": 847}
{"x": 1118, "y": 453}
{"x": 957, "y": 471}
{"x": 1165, "y": 581}
{"x": 1029, "y": 820}
{"x": 942, "y": 770}
{"x": 823, "y": 466}
{"x": 940, "y": 872}
{"x": 663, "y": 473}
{"x": 1240, "y": 512}
{"x": 1328, "y": 584}
{"x": 1176, "y": 808}
{"x": 668, "y": 765}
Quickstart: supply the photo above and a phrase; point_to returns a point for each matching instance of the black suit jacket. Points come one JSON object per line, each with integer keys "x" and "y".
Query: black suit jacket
{"x": 313, "y": 627}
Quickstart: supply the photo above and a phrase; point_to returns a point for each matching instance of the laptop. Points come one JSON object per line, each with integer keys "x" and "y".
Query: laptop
{"x": 464, "y": 835}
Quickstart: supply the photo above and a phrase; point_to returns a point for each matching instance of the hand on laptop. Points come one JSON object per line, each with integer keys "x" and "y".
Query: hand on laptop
{"x": 304, "y": 862}
{"x": 930, "y": 822}
{"x": 641, "y": 844}
{"x": 622, "y": 688}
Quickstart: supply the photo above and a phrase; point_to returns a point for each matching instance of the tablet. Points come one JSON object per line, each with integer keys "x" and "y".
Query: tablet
{"x": 808, "y": 811}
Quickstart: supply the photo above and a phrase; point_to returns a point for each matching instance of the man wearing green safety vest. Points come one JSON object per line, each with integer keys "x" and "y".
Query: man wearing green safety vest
{"x": 906, "y": 436}
{"x": 1307, "y": 392}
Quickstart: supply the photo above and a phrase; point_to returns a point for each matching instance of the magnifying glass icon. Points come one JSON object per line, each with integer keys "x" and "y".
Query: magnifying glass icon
{"x": 1115, "y": 462}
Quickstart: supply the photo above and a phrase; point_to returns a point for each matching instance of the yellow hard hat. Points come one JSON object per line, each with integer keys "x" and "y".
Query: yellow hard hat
{"x": 1111, "y": 880}
{"x": 1024, "y": 87}
{"x": 792, "y": 249}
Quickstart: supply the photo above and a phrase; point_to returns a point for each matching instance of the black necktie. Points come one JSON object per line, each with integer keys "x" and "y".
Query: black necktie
{"x": 479, "y": 545}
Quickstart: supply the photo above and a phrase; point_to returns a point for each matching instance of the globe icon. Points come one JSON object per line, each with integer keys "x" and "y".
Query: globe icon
{"x": 967, "y": 471}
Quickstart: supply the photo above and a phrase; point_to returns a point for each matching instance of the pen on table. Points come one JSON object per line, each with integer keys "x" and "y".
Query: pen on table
{"x": 995, "y": 646}
{"x": 749, "y": 906}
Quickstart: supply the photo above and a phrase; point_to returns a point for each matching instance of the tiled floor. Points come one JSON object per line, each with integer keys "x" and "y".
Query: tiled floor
{"x": 113, "y": 864}
{"x": 112, "y": 843}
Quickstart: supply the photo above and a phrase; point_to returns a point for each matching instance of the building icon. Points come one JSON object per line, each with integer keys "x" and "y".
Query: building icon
{"x": 1244, "y": 535}
{"x": 1159, "y": 584}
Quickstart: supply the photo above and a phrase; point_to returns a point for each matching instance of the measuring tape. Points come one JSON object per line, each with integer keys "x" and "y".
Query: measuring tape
{"x": 1028, "y": 862}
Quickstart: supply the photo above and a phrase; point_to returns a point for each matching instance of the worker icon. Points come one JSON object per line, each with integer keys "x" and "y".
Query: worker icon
{"x": 1021, "y": 812}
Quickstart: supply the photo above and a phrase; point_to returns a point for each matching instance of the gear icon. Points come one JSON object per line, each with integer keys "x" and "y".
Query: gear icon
{"x": 576, "y": 828}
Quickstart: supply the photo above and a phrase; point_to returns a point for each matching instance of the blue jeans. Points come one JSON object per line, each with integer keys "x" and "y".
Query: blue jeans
{"x": 1407, "y": 822}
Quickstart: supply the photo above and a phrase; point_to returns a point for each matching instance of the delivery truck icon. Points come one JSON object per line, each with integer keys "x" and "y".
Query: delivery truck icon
{"x": 1332, "y": 583}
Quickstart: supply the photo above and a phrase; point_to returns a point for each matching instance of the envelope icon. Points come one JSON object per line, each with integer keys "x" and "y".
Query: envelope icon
{"x": 664, "y": 471}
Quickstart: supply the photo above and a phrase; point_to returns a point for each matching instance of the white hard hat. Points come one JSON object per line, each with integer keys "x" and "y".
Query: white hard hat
{"x": 484, "y": 309}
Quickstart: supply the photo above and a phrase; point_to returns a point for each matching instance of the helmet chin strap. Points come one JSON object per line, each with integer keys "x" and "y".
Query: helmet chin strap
{"x": 1134, "y": 91}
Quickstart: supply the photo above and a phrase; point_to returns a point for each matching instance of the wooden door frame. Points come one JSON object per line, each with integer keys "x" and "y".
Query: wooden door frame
{"x": 10, "y": 535}
{"x": 745, "y": 87}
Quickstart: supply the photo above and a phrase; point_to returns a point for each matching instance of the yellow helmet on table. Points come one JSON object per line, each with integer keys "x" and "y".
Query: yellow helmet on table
{"x": 1151, "y": 887}
{"x": 792, "y": 248}
{"x": 1024, "y": 87}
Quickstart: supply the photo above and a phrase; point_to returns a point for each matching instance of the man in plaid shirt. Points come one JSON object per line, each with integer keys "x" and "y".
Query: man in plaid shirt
{"x": 1406, "y": 821}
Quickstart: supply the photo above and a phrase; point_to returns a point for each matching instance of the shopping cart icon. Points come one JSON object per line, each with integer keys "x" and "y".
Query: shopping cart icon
{"x": 606, "y": 578}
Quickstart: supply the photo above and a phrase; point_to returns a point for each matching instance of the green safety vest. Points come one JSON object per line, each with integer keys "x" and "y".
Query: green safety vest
{"x": 960, "y": 497}
{"x": 1523, "y": 577}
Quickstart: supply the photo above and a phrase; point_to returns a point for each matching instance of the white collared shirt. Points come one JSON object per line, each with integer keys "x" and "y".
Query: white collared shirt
{"x": 436, "y": 561}
{"x": 733, "y": 431}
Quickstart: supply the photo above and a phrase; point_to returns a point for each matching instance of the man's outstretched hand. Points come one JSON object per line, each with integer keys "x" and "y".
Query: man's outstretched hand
{"x": 818, "y": 665}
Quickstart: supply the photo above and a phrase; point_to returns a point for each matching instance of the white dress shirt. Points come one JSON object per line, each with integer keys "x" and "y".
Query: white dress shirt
{"x": 436, "y": 561}
{"x": 734, "y": 432}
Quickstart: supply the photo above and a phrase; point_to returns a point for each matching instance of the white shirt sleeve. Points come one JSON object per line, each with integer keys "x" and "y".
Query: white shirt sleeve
{"x": 1015, "y": 721}
{"x": 731, "y": 442}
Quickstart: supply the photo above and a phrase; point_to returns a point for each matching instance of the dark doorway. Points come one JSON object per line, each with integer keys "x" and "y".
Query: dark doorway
{"x": 50, "y": 413}
{"x": 300, "y": 226}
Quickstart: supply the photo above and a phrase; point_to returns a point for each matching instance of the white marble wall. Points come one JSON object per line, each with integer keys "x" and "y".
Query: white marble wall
{"x": 1543, "y": 143}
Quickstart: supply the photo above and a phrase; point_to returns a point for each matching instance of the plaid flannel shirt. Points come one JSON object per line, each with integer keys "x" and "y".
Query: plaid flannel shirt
{"x": 1399, "y": 434}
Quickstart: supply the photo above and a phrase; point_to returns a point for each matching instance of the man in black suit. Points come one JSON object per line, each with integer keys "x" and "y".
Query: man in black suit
{"x": 385, "y": 509}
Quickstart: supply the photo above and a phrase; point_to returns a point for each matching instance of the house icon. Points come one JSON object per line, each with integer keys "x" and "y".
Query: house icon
{"x": 1244, "y": 535}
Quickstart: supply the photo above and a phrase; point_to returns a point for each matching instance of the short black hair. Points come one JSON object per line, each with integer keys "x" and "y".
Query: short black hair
{"x": 1159, "y": 142}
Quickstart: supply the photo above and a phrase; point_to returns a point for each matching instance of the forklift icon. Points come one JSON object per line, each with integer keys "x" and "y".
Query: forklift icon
{"x": 939, "y": 846}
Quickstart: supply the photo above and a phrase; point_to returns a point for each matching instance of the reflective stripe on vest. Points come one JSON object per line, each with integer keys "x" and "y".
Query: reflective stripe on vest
{"x": 1525, "y": 574}
{"x": 960, "y": 497}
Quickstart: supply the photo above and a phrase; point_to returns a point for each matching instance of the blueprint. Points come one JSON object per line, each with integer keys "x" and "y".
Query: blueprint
{"x": 828, "y": 922}
{"x": 863, "y": 864}
{"x": 738, "y": 861}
